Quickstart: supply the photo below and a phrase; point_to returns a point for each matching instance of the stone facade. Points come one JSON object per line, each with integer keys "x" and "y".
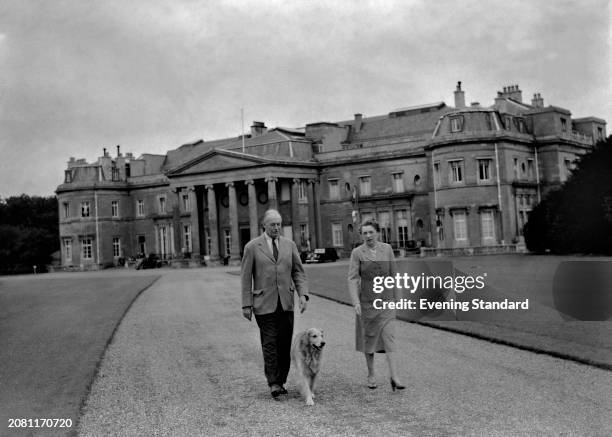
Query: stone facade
{"x": 452, "y": 179}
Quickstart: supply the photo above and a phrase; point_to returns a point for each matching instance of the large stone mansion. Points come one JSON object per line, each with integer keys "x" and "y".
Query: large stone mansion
{"x": 453, "y": 179}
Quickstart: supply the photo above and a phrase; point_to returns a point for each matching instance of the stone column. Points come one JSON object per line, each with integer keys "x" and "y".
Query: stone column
{"x": 195, "y": 228}
{"x": 213, "y": 227}
{"x": 312, "y": 214}
{"x": 272, "y": 201}
{"x": 294, "y": 211}
{"x": 176, "y": 226}
{"x": 253, "y": 216}
{"x": 156, "y": 227}
{"x": 233, "y": 218}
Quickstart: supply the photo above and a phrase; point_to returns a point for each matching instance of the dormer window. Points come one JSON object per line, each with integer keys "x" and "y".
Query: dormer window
{"x": 67, "y": 176}
{"x": 563, "y": 125}
{"x": 456, "y": 124}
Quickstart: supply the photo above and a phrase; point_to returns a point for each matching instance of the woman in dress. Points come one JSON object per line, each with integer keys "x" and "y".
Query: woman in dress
{"x": 375, "y": 328}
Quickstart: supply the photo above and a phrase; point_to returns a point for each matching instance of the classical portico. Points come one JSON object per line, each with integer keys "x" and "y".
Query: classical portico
{"x": 229, "y": 192}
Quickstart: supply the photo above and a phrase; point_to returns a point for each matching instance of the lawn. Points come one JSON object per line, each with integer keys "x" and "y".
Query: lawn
{"x": 542, "y": 328}
{"x": 53, "y": 332}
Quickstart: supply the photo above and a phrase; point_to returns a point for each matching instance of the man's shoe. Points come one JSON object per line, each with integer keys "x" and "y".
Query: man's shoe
{"x": 275, "y": 390}
{"x": 283, "y": 390}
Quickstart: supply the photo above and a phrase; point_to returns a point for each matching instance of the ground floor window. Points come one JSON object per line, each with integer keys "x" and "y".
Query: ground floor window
{"x": 116, "y": 247}
{"x": 86, "y": 248}
{"x": 385, "y": 227}
{"x": 187, "y": 238}
{"x": 67, "y": 250}
{"x": 337, "y": 235}
{"x": 487, "y": 220}
{"x": 460, "y": 226}
{"x": 228, "y": 241}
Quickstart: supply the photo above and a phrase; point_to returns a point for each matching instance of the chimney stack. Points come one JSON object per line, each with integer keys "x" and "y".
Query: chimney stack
{"x": 258, "y": 128}
{"x": 104, "y": 154}
{"x": 357, "y": 123}
{"x": 512, "y": 92}
{"x": 537, "y": 101}
{"x": 118, "y": 151}
{"x": 459, "y": 97}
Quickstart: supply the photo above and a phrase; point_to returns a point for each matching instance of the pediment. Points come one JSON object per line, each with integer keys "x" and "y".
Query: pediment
{"x": 216, "y": 161}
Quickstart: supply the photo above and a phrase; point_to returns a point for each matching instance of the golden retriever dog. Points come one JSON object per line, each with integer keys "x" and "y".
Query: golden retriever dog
{"x": 306, "y": 354}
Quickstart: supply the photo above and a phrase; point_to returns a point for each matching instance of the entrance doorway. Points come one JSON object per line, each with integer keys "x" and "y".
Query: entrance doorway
{"x": 245, "y": 237}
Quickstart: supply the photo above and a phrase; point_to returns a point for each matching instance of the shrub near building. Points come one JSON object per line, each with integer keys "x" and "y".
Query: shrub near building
{"x": 577, "y": 218}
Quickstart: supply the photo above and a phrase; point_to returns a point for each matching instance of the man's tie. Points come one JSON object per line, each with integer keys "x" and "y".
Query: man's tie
{"x": 274, "y": 249}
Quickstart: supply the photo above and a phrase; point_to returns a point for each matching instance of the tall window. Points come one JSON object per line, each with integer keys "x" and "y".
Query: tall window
{"x": 563, "y": 125}
{"x": 437, "y": 180}
{"x": 66, "y": 209}
{"x": 116, "y": 247}
{"x": 456, "y": 171}
{"x": 186, "y": 203}
{"x": 385, "y": 227}
{"x": 401, "y": 221}
{"x": 365, "y": 186}
{"x": 67, "y": 250}
{"x": 115, "y": 208}
{"x": 86, "y": 247}
{"x": 334, "y": 191}
{"x": 140, "y": 208}
{"x": 398, "y": 182}
{"x": 488, "y": 227}
{"x": 85, "y": 209}
{"x": 515, "y": 167}
{"x": 302, "y": 192}
{"x": 530, "y": 173}
{"x": 525, "y": 203}
{"x": 228, "y": 241}
{"x": 304, "y": 234}
{"x": 484, "y": 170}
{"x": 337, "y": 234}
{"x": 162, "y": 205}
{"x": 460, "y": 226}
{"x": 187, "y": 237}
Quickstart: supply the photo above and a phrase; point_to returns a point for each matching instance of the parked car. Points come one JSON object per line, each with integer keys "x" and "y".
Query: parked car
{"x": 322, "y": 255}
{"x": 150, "y": 262}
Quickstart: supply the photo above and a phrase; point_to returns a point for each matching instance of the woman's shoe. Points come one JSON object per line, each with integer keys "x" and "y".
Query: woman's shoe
{"x": 372, "y": 383}
{"x": 395, "y": 385}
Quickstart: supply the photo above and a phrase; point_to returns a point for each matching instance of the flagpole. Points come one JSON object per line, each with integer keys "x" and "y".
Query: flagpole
{"x": 242, "y": 128}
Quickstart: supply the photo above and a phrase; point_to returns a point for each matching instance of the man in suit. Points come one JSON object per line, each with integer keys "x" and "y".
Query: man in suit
{"x": 271, "y": 273}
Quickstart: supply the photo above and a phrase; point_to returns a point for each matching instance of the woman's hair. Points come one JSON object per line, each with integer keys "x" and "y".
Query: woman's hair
{"x": 372, "y": 223}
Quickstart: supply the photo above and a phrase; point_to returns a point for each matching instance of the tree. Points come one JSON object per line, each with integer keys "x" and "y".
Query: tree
{"x": 576, "y": 217}
{"x": 29, "y": 233}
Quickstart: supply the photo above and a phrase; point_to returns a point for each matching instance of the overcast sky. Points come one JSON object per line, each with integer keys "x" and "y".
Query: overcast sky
{"x": 78, "y": 76}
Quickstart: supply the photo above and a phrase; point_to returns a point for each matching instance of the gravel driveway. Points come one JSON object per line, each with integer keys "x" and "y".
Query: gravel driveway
{"x": 185, "y": 362}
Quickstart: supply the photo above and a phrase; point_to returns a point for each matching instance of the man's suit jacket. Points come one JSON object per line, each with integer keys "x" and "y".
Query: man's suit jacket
{"x": 264, "y": 280}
